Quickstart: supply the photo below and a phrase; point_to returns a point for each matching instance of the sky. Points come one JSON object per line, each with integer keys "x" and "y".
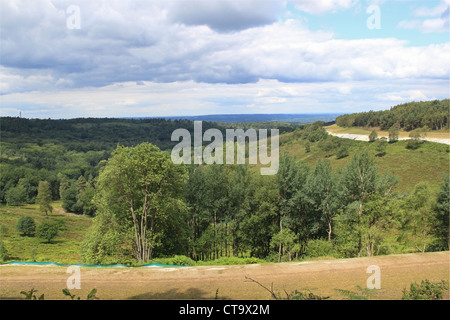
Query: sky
{"x": 124, "y": 58}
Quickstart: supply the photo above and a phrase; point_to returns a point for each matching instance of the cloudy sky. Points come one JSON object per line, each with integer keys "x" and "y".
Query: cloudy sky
{"x": 119, "y": 58}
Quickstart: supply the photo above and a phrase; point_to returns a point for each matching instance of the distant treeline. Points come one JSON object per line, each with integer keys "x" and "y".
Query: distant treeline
{"x": 62, "y": 152}
{"x": 408, "y": 116}
{"x": 89, "y": 134}
{"x": 94, "y": 134}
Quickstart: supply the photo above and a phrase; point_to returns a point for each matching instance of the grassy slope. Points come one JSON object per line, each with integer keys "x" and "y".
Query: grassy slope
{"x": 428, "y": 163}
{"x": 64, "y": 248}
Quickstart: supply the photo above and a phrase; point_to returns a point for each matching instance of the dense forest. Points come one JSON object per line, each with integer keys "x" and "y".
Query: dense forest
{"x": 63, "y": 151}
{"x": 144, "y": 206}
{"x": 408, "y": 116}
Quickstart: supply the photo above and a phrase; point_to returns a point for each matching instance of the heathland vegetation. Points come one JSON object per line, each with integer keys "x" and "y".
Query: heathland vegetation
{"x": 103, "y": 191}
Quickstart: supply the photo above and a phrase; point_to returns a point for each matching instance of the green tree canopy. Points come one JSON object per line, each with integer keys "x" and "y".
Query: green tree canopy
{"x": 47, "y": 231}
{"x": 44, "y": 197}
{"x": 442, "y": 211}
{"x": 141, "y": 187}
{"x": 26, "y": 226}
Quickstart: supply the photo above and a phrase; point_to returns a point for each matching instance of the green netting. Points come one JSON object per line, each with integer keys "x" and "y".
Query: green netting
{"x": 24, "y": 263}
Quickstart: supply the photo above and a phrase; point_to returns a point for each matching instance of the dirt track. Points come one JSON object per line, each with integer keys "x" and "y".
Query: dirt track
{"x": 363, "y": 137}
{"x": 321, "y": 277}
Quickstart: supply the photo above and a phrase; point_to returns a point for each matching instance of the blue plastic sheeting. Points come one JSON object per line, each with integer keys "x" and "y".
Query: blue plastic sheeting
{"x": 22, "y": 263}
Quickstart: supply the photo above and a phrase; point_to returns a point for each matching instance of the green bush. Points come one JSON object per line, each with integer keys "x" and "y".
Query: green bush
{"x": 175, "y": 260}
{"x": 47, "y": 231}
{"x": 373, "y": 136}
{"x": 26, "y": 226}
{"x": 425, "y": 291}
{"x": 233, "y": 261}
{"x": 4, "y": 255}
{"x": 319, "y": 248}
{"x": 181, "y": 260}
{"x": 70, "y": 202}
{"x": 342, "y": 152}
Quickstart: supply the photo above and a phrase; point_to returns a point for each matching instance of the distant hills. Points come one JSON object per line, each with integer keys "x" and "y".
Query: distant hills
{"x": 240, "y": 118}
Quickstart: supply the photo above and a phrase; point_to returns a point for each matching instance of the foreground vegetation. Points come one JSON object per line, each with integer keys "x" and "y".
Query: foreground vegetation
{"x": 426, "y": 290}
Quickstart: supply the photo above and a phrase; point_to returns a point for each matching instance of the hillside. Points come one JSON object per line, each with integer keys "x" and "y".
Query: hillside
{"x": 65, "y": 248}
{"x": 427, "y": 163}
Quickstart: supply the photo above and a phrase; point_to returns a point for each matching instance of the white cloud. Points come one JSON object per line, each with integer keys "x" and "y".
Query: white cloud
{"x": 433, "y": 11}
{"x": 322, "y": 6}
{"x": 191, "y": 98}
{"x": 154, "y": 58}
{"x": 406, "y": 96}
{"x": 437, "y": 19}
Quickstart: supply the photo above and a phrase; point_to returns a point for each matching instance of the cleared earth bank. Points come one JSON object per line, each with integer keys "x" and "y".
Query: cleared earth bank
{"x": 322, "y": 277}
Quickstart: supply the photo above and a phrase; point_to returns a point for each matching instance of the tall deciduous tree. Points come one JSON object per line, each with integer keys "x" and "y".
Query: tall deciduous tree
{"x": 294, "y": 200}
{"x": 360, "y": 181}
{"x": 44, "y": 197}
{"x": 16, "y": 196}
{"x": 324, "y": 189}
{"x": 215, "y": 200}
{"x": 142, "y": 187}
{"x": 393, "y": 133}
{"x": 421, "y": 221}
{"x": 373, "y": 136}
{"x": 442, "y": 211}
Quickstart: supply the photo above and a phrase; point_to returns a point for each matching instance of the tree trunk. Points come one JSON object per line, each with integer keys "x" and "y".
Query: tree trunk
{"x": 281, "y": 237}
{"x": 329, "y": 231}
{"x": 226, "y": 242}
{"x": 359, "y": 222}
{"x": 215, "y": 236}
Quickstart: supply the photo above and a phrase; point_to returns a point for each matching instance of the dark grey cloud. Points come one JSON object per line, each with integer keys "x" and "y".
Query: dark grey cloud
{"x": 225, "y": 16}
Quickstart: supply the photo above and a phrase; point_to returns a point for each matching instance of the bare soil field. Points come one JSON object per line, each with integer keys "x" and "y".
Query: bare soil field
{"x": 321, "y": 277}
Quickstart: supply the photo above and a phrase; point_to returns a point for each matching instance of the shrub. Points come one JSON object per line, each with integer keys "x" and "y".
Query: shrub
{"x": 342, "y": 152}
{"x": 26, "y": 226}
{"x": 175, "y": 260}
{"x": 307, "y": 147}
{"x": 319, "y": 248}
{"x": 380, "y": 147}
{"x": 233, "y": 261}
{"x": 181, "y": 261}
{"x": 415, "y": 140}
{"x": 373, "y": 136}
{"x": 4, "y": 255}
{"x": 47, "y": 231}
{"x": 425, "y": 291}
